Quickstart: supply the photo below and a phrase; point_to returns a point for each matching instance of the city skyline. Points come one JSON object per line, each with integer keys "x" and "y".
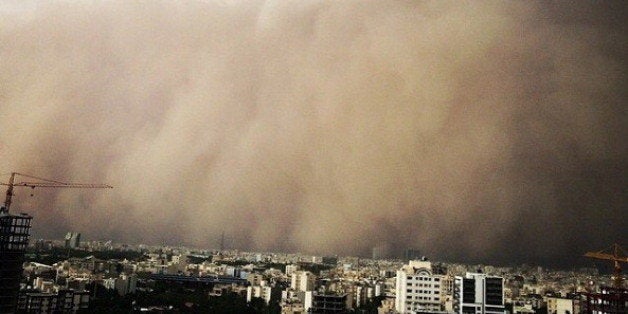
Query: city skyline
{"x": 481, "y": 132}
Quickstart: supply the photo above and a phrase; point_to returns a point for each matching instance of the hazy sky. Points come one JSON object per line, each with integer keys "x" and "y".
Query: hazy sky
{"x": 480, "y": 131}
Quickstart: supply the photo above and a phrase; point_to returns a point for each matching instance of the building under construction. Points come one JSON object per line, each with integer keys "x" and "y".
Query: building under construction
{"x": 14, "y": 234}
{"x": 607, "y": 301}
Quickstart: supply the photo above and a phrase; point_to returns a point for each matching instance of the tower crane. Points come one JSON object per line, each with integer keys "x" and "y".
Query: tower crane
{"x": 41, "y": 183}
{"x": 616, "y": 254}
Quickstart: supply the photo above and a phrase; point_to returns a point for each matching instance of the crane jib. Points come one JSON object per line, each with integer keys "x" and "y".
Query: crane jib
{"x": 45, "y": 183}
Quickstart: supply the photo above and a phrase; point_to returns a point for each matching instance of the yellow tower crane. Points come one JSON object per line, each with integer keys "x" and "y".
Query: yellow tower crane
{"x": 41, "y": 183}
{"x": 615, "y": 254}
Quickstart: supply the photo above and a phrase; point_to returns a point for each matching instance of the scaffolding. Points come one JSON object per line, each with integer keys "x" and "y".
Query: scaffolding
{"x": 14, "y": 234}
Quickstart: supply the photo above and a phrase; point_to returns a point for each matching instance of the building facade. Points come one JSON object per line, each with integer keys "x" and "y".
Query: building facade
{"x": 64, "y": 301}
{"x": 326, "y": 303}
{"x": 14, "y": 234}
{"x": 263, "y": 292}
{"x": 556, "y": 305}
{"x": 72, "y": 240}
{"x": 418, "y": 289}
{"x": 607, "y": 301}
{"x": 478, "y": 293}
{"x": 302, "y": 281}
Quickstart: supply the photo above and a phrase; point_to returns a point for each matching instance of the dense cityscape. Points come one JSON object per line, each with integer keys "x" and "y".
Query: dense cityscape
{"x": 74, "y": 276}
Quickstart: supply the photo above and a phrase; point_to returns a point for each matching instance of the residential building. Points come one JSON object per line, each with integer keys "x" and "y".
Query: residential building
{"x": 558, "y": 305}
{"x": 264, "y": 292}
{"x": 302, "y": 281}
{"x": 255, "y": 279}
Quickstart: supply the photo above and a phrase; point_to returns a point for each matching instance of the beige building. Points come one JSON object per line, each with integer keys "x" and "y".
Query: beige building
{"x": 557, "y": 305}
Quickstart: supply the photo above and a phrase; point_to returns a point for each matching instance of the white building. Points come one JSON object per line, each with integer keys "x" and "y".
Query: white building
{"x": 478, "y": 293}
{"x": 556, "y": 305}
{"x": 302, "y": 281}
{"x": 262, "y": 291}
{"x": 290, "y": 269}
{"x": 418, "y": 289}
{"x": 126, "y": 284}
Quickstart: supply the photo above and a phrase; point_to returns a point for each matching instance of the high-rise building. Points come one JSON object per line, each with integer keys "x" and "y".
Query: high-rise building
{"x": 126, "y": 284}
{"x": 72, "y": 240}
{"x": 381, "y": 251}
{"x": 290, "y": 269}
{"x": 14, "y": 234}
{"x": 262, "y": 290}
{"x": 302, "y": 281}
{"x": 411, "y": 254}
{"x": 478, "y": 293}
{"x": 419, "y": 289}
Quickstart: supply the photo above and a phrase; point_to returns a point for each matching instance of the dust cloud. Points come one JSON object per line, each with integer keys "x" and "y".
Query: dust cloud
{"x": 480, "y": 131}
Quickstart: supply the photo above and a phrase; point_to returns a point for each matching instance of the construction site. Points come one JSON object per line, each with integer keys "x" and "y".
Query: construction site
{"x": 609, "y": 300}
{"x": 15, "y": 233}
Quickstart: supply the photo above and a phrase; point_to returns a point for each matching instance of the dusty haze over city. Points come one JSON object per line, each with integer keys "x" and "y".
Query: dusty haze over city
{"x": 477, "y": 131}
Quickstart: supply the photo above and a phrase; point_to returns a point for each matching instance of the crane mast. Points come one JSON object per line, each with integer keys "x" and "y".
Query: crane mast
{"x": 7, "y": 200}
{"x": 616, "y": 255}
{"x": 41, "y": 183}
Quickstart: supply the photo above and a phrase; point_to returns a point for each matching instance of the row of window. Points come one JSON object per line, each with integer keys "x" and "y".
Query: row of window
{"x": 425, "y": 298}
{"x": 409, "y": 307}
{"x": 423, "y": 278}
{"x": 422, "y": 291}
{"x": 427, "y": 285}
